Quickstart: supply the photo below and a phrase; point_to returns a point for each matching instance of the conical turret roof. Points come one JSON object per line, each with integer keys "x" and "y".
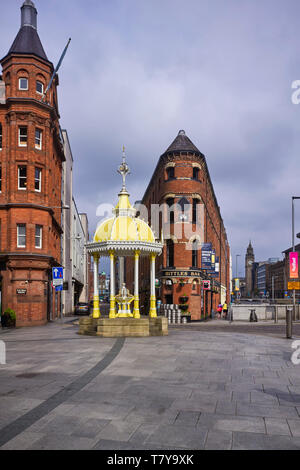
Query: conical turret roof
{"x": 27, "y": 40}
{"x": 182, "y": 144}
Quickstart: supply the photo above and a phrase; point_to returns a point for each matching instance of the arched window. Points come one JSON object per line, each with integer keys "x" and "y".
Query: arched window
{"x": 170, "y": 253}
{"x": 184, "y": 206}
{"x": 195, "y": 254}
{"x": 170, "y": 203}
{"x": 195, "y": 202}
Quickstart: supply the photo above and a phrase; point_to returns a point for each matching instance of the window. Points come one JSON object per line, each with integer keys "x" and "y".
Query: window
{"x": 170, "y": 253}
{"x": 184, "y": 205}
{"x": 38, "y": 236}
{"x": 38, "y": 179}
{"x": 195, "y": 254}
{"x": 38, "y": 139}
{"x": 170, "y": 203}
{"x": 39, "y": 87}
{"x": 195, "y": 202}
{"x": 196, "y": 173}
{"x": 21, "y": 234}
{"x": 170, "y": 173}
{"x": 22, "y": 177}
{"x": 0, "y": 136}
{"x": 23, "y": 83}
{"x": 22, "y": 136}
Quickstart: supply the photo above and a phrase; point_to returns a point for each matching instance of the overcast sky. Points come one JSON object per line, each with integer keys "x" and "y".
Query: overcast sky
{"x": 137, "y": 71}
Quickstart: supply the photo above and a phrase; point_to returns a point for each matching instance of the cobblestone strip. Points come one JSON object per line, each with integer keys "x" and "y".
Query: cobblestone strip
{"x": 21, "y": 424}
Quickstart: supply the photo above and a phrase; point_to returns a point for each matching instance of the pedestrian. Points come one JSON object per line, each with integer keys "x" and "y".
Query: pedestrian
{"x": 225, "y": 310}
{"x": 219, "y": 310}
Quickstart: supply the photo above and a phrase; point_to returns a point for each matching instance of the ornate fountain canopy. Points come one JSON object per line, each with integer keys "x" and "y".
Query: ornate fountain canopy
{"x": 124, "y": 233}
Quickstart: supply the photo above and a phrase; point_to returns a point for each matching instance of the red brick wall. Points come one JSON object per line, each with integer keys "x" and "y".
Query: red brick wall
{"x": 28, "y": 268}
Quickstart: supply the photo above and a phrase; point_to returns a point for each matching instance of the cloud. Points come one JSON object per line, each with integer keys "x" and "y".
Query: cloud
{"x": 137, "y": 72}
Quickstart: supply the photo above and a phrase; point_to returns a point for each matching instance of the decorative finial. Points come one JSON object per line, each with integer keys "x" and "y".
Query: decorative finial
{"x": 124, "y": 170}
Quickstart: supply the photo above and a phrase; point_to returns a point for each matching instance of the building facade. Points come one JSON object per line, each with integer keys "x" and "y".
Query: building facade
{"x": 182, "y": 184}
{"x": 249, "y": 271}
{"x": 31, "y": 158}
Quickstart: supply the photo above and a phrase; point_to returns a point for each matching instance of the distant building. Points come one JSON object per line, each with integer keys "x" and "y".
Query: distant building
{"x": 79, "y": 238}
{"x": 277, "y": 279}
{"x": 249, "y": 271}
{"x": 287, "y": 271}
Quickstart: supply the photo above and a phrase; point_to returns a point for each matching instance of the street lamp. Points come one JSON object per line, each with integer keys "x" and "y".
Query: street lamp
{"x": 293, "y": 241}
{"x": 273, "y": 299}
{"x": 236, "y": 265}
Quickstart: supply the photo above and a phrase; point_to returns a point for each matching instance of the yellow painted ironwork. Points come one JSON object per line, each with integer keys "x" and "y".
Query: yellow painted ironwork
{"x": 96, "y": 307}
{"x": 153, "y": 312}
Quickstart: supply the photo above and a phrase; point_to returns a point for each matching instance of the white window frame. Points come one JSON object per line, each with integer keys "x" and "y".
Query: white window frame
{"x": 41, "y": 83}
{"x": 20, "y": 88}
{"x": 23, "y": 144}
{"x": 22, "y": 177}
{"x": 39, "y": 180}
{"x": 39, "y": 237}
{"x": 21, "y": 235}
{"x": 39, "y": 139}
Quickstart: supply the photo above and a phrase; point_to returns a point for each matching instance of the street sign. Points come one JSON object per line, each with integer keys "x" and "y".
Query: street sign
{"x": 57, "y": 273}
{"x": 294, "y": 285}
{"x": 59, "y": 288}
{"x": 58, "y": 282}
{"x": 21, "y": 291}
{"x": 206, "y": 285}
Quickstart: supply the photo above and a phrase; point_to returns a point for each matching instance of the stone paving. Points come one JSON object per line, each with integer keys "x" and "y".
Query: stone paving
{"x": 194, "y": 389}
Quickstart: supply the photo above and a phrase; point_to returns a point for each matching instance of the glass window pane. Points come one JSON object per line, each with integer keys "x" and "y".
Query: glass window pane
{"x": 39, "y": 87}
{"x": 23, "y": 84}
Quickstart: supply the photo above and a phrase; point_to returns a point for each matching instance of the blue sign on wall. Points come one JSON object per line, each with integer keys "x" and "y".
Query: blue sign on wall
{"x": 57, "y": 273}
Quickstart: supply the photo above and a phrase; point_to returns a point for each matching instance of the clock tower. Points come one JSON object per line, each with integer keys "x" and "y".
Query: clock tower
{"x": 249, "y": 260}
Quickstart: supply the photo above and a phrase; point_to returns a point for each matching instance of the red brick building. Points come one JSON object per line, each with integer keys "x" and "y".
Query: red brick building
{"x": 31, "y": 156}
{"x": 181, "y": 178}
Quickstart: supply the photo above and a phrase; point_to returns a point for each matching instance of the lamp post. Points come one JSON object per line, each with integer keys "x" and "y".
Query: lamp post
{"x": 236, "y": 265}
{"x": 293, "y": 242}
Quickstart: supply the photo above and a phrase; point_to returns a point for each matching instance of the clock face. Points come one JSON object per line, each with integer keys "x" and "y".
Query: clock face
{"x": 250, "y": 262}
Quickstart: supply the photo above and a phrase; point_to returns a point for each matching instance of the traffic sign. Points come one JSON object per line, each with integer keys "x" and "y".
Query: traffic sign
{"x": 206, "y": 285}
{"x": 57, "y": 282}
{"x": 58, "y": 288}
{"x": 293, "y": 285}
{"x": 57, "y": 273}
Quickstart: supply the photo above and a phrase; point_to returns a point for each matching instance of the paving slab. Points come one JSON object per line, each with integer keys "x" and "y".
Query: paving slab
{"x": 195, "y": 389}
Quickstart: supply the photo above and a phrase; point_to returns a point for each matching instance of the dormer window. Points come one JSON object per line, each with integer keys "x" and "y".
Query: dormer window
{"x": 23, "y": 84}
{"x": 39, "y": 87}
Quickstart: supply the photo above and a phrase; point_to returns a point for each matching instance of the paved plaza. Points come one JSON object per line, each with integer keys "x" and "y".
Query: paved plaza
{"x": 205, "y": 386}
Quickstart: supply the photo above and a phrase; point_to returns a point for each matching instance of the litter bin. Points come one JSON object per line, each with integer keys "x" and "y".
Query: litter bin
{"x": 253, "y": 316}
